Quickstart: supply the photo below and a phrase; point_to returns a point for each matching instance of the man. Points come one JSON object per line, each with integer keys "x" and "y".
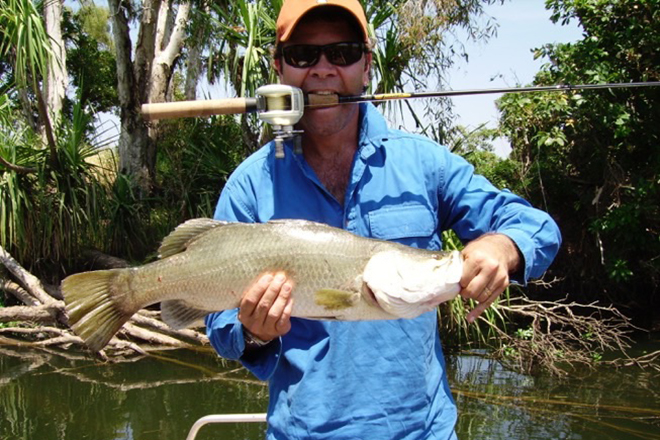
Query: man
{"x": 375, "y": 379}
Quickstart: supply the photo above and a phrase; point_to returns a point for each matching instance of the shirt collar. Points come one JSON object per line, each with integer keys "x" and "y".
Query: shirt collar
{"x": 373, "y": 129}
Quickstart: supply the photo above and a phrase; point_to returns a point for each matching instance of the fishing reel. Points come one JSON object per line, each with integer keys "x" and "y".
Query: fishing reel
{"x": 282, "y": 107}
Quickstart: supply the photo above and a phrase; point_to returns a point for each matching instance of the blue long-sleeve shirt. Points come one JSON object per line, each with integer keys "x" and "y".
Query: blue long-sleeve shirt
{"x": 373, "y": 379}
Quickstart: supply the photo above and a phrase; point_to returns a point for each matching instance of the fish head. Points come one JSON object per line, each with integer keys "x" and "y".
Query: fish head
{"x": 409, "y": 282}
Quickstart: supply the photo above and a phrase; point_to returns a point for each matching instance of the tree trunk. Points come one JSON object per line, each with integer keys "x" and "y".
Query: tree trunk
{"x": 193, "y": 72}
{"x": 133, "y": 139}
{"x": 196, "y": 42}
{"x": 144, "y": 79}
{"x": 55, "y": 84}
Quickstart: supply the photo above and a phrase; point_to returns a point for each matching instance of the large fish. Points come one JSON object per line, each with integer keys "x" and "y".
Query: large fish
{"x": 205, "y": 265}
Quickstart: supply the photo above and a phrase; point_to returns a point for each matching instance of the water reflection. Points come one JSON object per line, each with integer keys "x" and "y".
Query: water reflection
{"x": 49, "y": 395}
{"x": 606, "y": 404}
{"x": 151, "y": 398}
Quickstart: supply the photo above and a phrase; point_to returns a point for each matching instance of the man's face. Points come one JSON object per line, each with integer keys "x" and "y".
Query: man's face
{"x": 325, "y": 76}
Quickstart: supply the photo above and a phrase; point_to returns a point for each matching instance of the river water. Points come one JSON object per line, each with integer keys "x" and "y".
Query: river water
{"x": 51, "y": 395}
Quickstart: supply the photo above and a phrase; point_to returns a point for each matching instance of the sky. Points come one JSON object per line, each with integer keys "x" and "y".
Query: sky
{"x": 506, "y": 60}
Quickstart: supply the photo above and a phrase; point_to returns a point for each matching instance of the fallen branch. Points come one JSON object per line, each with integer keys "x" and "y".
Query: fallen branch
{"x": 18, "y": 292}
{"x": 560, "y": 335}
{"x": 99, "y": 260}
{"x": 142, "y": 319}
{"x": 42, "y": 308}
{"x": 651, "y": 360}
{"x": 35, "y": 314}
{"x": 151, "y": 337}
{"x": 31, "y": 283}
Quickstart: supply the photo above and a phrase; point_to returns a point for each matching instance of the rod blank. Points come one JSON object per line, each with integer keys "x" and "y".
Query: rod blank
{"x": 447, "y": 93}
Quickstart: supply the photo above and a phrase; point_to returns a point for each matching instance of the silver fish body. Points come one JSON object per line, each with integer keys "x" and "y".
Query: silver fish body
{"x": 206, "y": 265}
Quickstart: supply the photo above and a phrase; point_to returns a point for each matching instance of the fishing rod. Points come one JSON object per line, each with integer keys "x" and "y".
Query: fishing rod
{"x": 282, "y": 106}
{"x": 277, "y": 97}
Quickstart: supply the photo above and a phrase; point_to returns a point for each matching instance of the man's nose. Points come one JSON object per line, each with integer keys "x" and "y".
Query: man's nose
{"x": 324, "y": 67}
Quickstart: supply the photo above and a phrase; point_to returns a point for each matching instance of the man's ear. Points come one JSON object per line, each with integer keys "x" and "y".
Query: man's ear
{"x": 277, "y": 65}
{"x": 366, "y": 75}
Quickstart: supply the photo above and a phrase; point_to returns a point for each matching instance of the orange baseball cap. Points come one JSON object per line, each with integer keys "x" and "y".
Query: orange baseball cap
{"x": 293, "y": 10}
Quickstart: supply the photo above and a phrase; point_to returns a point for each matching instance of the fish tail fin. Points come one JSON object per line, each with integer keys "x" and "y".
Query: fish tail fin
{"x": 92, "y": 305}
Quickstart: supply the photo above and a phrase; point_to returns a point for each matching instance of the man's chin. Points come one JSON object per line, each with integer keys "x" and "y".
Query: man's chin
{"x": 328, "y": 120}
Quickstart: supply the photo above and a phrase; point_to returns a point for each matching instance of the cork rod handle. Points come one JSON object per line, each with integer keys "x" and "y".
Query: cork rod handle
{"x": 207, "y": 107}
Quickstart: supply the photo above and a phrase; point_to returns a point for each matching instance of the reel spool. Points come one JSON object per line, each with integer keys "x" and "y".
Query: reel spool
{"x": 282, "y": 106}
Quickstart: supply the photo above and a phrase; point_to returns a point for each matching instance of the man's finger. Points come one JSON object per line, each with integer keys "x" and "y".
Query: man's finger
{"x": 253, "y": 294}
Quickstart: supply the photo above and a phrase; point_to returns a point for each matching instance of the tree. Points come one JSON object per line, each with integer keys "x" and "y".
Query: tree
{"x": 32, "y": 63}
{"x": 144, "y": 77}
{"x": 592, "y": 158}
{"x": 55, "y": 83}
{"x": 91, "y": 57}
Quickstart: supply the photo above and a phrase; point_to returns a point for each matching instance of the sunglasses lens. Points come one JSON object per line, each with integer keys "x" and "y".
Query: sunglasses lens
{"x": 301, "y": 55}
{"x": 344, "y": 54}
{"x": 307, "y": 55}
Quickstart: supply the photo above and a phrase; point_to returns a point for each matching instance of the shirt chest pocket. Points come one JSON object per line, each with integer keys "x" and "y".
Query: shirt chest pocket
{"x": 400, "y": 222}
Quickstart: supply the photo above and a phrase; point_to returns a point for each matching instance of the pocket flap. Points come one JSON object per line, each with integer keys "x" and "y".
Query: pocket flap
{"x": 396, "y": 222}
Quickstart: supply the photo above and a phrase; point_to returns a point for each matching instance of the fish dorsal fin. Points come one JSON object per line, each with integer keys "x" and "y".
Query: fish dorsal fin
{"x": 184, "y": 234}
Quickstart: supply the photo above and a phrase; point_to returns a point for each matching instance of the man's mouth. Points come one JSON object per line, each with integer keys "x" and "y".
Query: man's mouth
{"x": 322, "y": 99}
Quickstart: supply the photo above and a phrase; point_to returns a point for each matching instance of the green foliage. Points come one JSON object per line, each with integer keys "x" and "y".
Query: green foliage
{"x": 90, "y": 57}
{"x": 592, "y": 158}
{"x": 23, "y": 41}
{"x": 195, "y": 158}
{"x": 455, "y": 331}
{"x": 47, "y": 214}
{"x": 247, "y": 30}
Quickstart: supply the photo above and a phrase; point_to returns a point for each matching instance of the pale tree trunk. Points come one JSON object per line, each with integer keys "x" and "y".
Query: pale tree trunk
{"x": 144, "y": 78}
{"x": 54, "y": 86}
{"x": 196, "y": 43}
{"x": 193, "y": 72}
{"x": 170, "y": 36}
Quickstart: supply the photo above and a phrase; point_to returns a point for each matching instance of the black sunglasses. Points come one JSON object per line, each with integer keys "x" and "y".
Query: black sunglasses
{"x": 307, "y": 55}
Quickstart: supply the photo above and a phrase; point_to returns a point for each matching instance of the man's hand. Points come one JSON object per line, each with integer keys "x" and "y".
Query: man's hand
{"x": 488, "y": 261}
{"x": 265, "y": 310}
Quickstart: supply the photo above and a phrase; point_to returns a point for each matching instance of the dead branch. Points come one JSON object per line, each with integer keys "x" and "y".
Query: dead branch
{"x": 29, "y": 282}
{"x": 651, "y": 360}
{"x": 17, "y": 168}
{"x": 143, "y": 319}
{"x": 35, "y": 314}
{"x": 150, "y": 336}
{"x": 561, "y": 335}
{"x": 18, "y": 292}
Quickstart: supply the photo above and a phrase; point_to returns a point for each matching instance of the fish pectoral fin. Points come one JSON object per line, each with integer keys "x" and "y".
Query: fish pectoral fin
{"x": 179, "y": 314}
{"x": 184, "y": 234}
{"x": 333, "y": 299}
